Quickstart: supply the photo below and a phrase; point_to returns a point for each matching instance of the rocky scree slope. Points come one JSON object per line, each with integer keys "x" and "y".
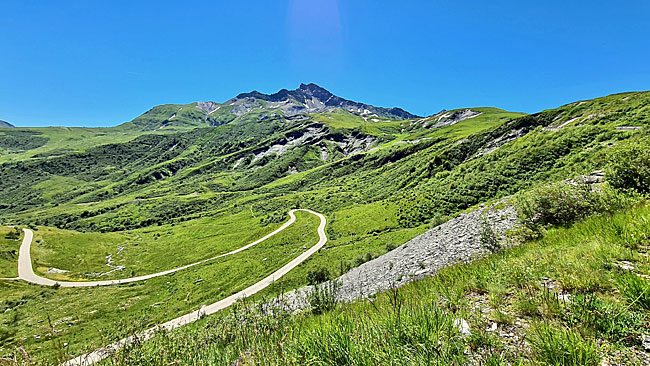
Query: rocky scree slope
{"x": 460, "y": 240}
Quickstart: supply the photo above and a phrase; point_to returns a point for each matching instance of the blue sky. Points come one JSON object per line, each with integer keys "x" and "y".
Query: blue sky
{"x": 101, "y": 63}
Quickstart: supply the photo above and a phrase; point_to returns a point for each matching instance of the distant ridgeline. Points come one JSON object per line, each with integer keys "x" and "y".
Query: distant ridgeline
{"x": 255, "y": 106}
{"x": 4, "y": 124}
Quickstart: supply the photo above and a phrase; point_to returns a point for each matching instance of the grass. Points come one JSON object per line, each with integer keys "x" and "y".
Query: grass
{"x": 62, "y": 140}
{"x": 414, "y": 325}
{"x": 88, "y": 317}
{"x": 141, "y": 254}
{"x": 553, "y": 346}
{"x": 169, "y": 192}
{"x": 9, "y": 246}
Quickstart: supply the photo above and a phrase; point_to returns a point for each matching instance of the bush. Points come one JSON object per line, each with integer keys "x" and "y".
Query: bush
{"x": 629, "y": 168}
{"x": 489, "y": 238}
{"x": 438, "y": 219}
{"x": 13, "y": 234}
{"x": 322, "y": 297}
{"x": 318, "y": 275}
{"x": 553, "y": 346}
{"x": 565, "y": 203}
{"x": 7, "y": 333}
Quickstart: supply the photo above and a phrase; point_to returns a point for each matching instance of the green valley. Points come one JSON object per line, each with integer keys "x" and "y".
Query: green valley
{"x": 183, "y": 183}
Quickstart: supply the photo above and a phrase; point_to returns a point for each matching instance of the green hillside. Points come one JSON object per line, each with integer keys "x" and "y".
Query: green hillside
{"x": 175, "y": 190}
{"x": 560, "y": 300}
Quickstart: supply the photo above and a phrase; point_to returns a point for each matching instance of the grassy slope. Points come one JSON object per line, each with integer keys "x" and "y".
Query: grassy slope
{"x": 61, "y": 140}
{"x": 80, "y": 316}
{"x": 415, "y": 324}
{"x": 145, "y": 250}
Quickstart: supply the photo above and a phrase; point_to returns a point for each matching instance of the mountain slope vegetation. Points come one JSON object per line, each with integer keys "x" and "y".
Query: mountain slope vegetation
{"x": 181, "y": 183}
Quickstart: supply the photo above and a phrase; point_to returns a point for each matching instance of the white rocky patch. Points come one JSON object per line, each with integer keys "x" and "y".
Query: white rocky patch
{"x": 109, "y": 262}
{"x": 352, "y": 145}
{"x": 450, "y": 118}
{"x": 174, "y": 115}
{"x": 562, "y": 125}
{"x": 280, "y": 149}
{"x": 53, "y": 270}
{"x": 628, "y": 128}
{"x": 238, "y": 162}
{"x": 324, "y": 153}
{"x": 207, "y": 107}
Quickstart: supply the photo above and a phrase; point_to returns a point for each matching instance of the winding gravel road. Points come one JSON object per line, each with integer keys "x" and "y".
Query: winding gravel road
{"x": 25, "y": 272}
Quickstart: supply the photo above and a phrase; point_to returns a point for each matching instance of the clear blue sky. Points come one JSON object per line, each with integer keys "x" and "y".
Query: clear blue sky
{"x": 100, "y": 63}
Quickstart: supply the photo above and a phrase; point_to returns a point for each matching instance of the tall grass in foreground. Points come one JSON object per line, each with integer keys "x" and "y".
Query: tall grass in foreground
{"x": 562, "y": 347}
{"x": 385, "y": 333}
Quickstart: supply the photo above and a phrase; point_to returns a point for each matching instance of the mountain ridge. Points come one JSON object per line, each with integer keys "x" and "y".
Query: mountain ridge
{"x": 327, "y": 99}
{"x": 256, "y": 106}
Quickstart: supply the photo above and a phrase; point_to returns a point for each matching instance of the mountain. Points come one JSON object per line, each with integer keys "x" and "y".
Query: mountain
{"x": 255, "y": 106}
{"x": 311, "y": 98}
{"x": 4, "y": 124}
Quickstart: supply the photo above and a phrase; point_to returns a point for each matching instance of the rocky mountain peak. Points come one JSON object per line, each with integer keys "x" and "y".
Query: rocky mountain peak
{"x": 315, "y": 90}
{"x": 312, "y": 98}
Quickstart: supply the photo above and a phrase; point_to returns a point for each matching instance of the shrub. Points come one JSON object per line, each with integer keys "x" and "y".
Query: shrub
{"x": 565, "y": 203}
{"x": 318, "y": 275}
{"x": 7, "y": 333}
{"x": 489, "y": 238}
{"x": 438, "y": 219}
{"x": 322, "y": 297}
{"x": 13, "y": 234}
{"x": 553, "y": 346}
{"x": 629, "y": 168}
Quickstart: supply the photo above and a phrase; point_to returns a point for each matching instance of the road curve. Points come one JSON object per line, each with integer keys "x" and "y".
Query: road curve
{"x": 102, "y": 353}
{"x": 26, "y": 272}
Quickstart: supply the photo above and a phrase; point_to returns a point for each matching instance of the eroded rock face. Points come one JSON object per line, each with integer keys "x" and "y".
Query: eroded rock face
{"x": 207, "y": 107}
{"x": 457, "y": 241}
{"x": 445, "y": 118}
{"x": 308, "y": 136}
{"x": 316, "y": 135}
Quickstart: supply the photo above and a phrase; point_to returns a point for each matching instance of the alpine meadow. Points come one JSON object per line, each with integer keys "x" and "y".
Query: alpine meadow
{"x": 301, "y": 227}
